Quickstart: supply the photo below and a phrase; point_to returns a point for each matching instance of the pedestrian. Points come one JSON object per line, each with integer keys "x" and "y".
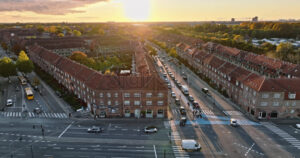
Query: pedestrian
{"x": 33, "y": 126}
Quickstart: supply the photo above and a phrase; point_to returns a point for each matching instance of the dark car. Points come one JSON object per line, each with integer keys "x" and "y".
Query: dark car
{"x": 182, "y": 111}
{"x": 58, "y": 93}
{"x": 94, "y": 129}
{"x": 177, "y": 101}
{"x": 196, "y": 105}
{"x": 37, "y": 110}
{"x": 183, "y": 121}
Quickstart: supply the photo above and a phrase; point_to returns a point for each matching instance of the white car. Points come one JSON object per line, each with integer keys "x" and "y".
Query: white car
{"x": 298, "y": 126}
{"x": 9, "y": 102}
{"x": 173, "y": 94}
{"x": 150, "y": 129}
{"x": 169, "y": 86}
{"x": 233, "y": 122}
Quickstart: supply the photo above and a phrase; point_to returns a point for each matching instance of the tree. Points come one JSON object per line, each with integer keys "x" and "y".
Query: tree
{"x": 238, "y": 38}
{"x": 283, "y": 49}
{"x": 77, "y": 33}
{"x": 24, "y": 64}
{"x": 78, "y": 56}
{"x": 4, "y": 46}
{"x": 7, "y": 67}
{"x": 60, "y": 35}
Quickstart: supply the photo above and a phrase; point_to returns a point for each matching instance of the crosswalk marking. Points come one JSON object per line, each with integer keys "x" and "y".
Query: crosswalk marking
{"x": 232, "y": 113}
{"x": 179, "y": 152}
{"x": 33, "y": 115}
{"x": 206, "y": 112}
{"x": 292, "y": 140}
{"x": 175, "y": 136}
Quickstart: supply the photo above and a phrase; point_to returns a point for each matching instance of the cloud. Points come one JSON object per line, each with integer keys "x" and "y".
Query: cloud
{"x": 50, "y": 7}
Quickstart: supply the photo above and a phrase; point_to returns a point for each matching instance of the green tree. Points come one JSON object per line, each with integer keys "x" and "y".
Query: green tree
{"x": 4, "y": 46}
{"x": 7, "y": 67}
{"x": 76, "y": 33}
{"x": 24, "y": 64}
{"x": 283, "y": 49}
{"x": 60, "y": 35}
{"x": 238, "y": 38}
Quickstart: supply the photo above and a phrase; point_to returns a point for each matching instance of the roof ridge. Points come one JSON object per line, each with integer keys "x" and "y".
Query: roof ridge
{"x": 259, "y": 88}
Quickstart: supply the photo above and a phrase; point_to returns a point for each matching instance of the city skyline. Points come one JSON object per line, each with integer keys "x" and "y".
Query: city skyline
{"x": 145, "y": 10}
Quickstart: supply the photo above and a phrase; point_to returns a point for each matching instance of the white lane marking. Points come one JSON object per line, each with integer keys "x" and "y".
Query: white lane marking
{"x": 154, "y": 151}
{"x": 249, "y": 149}
{"x": 65, "y": 130}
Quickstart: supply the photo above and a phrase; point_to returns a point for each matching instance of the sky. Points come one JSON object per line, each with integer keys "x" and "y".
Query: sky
{"x": 145, "y": 10}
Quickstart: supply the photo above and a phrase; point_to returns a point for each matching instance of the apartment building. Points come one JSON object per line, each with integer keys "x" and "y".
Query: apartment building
{"x": 112, "y": 96}
{"x": 263, "y": 87}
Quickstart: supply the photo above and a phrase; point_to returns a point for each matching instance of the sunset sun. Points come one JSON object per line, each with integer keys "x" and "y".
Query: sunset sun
{"x": 137, "y": 10}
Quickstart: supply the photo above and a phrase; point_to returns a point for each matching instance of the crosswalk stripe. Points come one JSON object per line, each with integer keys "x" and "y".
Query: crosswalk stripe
{"x": 65, "y": 115}
{"x": 55, "y": 115}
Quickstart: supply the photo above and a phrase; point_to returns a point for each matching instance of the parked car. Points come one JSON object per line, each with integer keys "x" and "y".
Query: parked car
{"x": 150, "y": 129}
{"x": 37, "y": 110}
{"x": 182, "y": 121}
{"x": 169, "y": 86}
{"x": 173, "y": 94}
{"x": 196, "y": 105}
{"x": 177, "y": 101}
{"x": 94, "y": 129}
{"x": 298, "y": 126}
{"x": 191, "y": 98}
{"x": 58, "y": 93}
{"x": 9, "y": 102}
{"x": 233, "y": 122}
{"x": 182, "y": 110}
{"x": 179, "y": 85}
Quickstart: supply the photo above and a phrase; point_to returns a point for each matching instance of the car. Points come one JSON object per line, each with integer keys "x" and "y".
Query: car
{"x": 179, "y": 85}
{"x": 9, "y": 102}
{"x": 182, "y": 121}
{"x": 37, "y": 110}
{"x": 35, "y": 88}
{"x": 165, "y": 74}
{"x": 182, "y": 111}
{"x": 177, "y": 101}
{"x": 17, "y": 88}
{"x": 233, "y": 122}
{"x": 94, "y": 129}
{"x": 190, "y": 145}
{"x": 191, "y": 98}
{"x": 298, "y": 126}
{"x": 58, "y": 93}
{"x": 196, "y": 105}
{"x": 172, "y": 76}
{"x": 169, "y": 86}
{"x": 150, "y": 129}
{"x": 173, "y": 94}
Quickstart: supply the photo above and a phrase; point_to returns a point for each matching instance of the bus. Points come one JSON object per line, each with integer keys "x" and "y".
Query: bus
{"x": 22, "y": 80}
{"x": 29, "y": 93}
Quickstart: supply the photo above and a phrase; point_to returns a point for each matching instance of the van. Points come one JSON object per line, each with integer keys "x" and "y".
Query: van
{"x": 190, "y": 144}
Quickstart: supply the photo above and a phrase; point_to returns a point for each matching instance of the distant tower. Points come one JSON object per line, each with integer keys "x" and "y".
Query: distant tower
{"x": 255, "y": 19}
{"x": 232, "y": 19}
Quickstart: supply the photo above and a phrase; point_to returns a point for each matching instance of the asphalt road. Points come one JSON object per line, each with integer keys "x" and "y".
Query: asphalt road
{"x": 217, "y": 137}
{"x": 68, "y": 138}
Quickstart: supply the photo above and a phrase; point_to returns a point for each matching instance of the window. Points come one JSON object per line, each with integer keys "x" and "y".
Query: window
{"x": 292, "y": 95}
{"x": 276, "y": 95}
{"x": 116, "y": 102}
{"x": 93, "y": 93}
{"x": 160, "y": 103}
{"x": 265, "y": 95}
{"x": 264, "y": 104}
{"x": 137, "y": 102}
{"x": 160, "y": 111}
{"x": 116, "y": 95}
{"x": 101, "y": 102}
{"x": 149, "y": 111}
{"x": 275, "y": 103}
{"x": 160, "y": 95}
{"x": 254, "y": 93}
{"x": 109, "y": 102}
{"x": 294, "y": 103}
{"x": 236, "y": 83}
{"x": 101, "y": 95}
{"x": 126, "y": 95}
{"x": 137, "y": 95}
{"x": 126, "y": 102}
{"x": 148, "y": 102}
{"x": 108, "y": 95}
{"x": 148, "y": 95}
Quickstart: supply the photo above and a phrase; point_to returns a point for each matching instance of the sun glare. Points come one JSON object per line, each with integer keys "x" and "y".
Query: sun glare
{"x": 137, "y": 10}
